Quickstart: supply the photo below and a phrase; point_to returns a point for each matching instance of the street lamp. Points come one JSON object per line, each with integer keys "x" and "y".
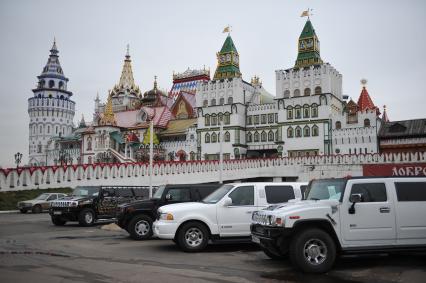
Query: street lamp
{"x": 18, "y": 158}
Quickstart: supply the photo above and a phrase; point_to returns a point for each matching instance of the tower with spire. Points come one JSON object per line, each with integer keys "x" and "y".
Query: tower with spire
{"x": 228, "y": 61}
{"x": 51, "y": 109}
{"x": 126, "y": 94}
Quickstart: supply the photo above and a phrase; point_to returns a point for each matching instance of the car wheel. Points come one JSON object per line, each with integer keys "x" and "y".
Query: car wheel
{"x": 193, "y": 237}
{"x": 86, "y": 217}
{"x": 23, "y": 210}
{"x": 274, "y": 255}
{"x": 140, "y": 227}
{"x": 313, "y": 251}
{"x": 58, "y": 221}
{"x": 37, "y": 208}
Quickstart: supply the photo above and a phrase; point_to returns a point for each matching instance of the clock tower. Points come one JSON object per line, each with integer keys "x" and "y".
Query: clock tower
{"x": 228, "y": 61}
{"x": 309, "y": 47}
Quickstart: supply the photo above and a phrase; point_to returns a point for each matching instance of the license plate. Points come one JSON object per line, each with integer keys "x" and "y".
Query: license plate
{"x": 255, "y": 239}
{"x": 57, "y": 212}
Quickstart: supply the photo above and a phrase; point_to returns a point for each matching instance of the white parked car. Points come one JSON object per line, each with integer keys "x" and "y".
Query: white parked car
{"x": 342, "y": 216}
{"x": 224, "y": 214}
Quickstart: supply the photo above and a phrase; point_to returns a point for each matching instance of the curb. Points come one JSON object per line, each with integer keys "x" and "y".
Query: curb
{"x": 8, "y": 211}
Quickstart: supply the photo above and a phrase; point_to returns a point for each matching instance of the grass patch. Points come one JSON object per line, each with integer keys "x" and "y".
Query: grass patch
{"x": 8, "y": 200}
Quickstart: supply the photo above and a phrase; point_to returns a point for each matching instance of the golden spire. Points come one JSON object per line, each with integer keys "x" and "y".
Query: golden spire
{"x": 108, "y": 118}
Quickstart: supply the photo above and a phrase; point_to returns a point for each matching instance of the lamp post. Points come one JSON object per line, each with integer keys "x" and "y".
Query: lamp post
{"x": 18, "y": 158}
{"x": 151, "y": 153}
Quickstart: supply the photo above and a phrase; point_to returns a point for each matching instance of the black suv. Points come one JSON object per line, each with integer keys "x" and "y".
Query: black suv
{"x": 137, "y": 217}
{"x": 87, "y": 204}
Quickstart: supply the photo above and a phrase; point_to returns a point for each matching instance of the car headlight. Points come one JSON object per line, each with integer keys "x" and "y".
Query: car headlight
{"x": 166, "y": 216}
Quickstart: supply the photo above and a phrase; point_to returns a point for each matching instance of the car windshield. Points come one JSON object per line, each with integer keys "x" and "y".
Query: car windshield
{"x": 86, "y": 191}
{"x": 218, "y": 194}
{"x": 159, "y": 192}
{"x": 325, "y": 189}
{"x": 42, "y": 197}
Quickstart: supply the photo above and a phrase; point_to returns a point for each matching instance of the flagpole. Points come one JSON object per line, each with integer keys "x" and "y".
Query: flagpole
{"x": 151, "y": 152}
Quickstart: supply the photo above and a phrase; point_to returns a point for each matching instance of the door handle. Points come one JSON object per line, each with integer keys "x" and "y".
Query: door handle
{"x": 384, "y": 209}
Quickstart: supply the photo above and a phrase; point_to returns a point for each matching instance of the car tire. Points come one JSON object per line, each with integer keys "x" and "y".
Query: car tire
{"x": 193, "y": 237}
{"x": 86, "y": 217}
{"x": 37, "y": 208}
{"x": 273, "y": 255}
{"x": 140, "y": 227}
{"x": 58, "y": 221}
{"x": 313, "y": 251}
{"x": 23, "y": 210}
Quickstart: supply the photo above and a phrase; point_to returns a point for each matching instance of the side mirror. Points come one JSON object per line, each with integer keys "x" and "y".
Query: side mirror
{"x": 227, "y": 201}
{"x": 354, "y": 198}
{"x": 169, "y": 197}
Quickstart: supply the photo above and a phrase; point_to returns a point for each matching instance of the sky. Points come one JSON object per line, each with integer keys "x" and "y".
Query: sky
{"x": 382, "y": 41}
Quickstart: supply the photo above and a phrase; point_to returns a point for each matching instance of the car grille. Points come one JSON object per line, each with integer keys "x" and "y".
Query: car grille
{"x": 62, "y": 204}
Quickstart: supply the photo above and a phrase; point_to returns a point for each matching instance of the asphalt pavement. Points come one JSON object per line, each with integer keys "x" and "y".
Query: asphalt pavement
{"x": 32, "y": 249}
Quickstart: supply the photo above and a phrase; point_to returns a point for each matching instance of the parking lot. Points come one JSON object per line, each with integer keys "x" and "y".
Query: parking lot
{"x": 33, "y": 250}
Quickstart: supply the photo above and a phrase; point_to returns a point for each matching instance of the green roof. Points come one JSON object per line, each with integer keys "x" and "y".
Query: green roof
{"x": 308, "y": 30}
{"x": 228, "y": 46}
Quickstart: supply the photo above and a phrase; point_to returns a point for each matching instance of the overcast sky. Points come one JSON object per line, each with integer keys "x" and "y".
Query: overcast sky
{"x": 382, "y": 41}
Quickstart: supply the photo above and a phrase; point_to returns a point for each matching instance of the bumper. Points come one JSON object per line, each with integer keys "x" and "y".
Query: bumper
{"x": 68, "y": 213}
{"x": 165, "y": 230}
{"x": 272, "y": 238}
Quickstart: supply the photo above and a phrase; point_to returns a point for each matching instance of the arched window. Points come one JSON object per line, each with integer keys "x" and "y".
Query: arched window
{"x": 306, "y": 111}
{"x": 307, "y": 91}
{"x": 298, "y": 112}
{"x": 249, "y": 137}
{"x": 318, "y": 90}
{"x": 314, "y": 110}
{"x": 263, "y": 136}
{"x": 227, "y": 118}
{"x": 230, "y": 100}
{"x": 192, "y": 155}
{"x": 315, "y": 131}
{"x": 227, "y": 136}
{"x": 289, "y": 112}
{"x": 338, "y": 125}
{"x": 61, "y": 85}
{"x": 366, "y": 122}
{"x": 207, "y": 120}
{"x": 306, "y": 131}
{"x": 48, "y": 129}
{"x": 256, "y": 137}
{"x": 298, "y": 132}
{"x": 89, "y": 143}
{"x": 207, "y": 138}
{"x": 205, "y": 103}
{"x": 290, "y": 133}
{"x": 286, "y": 94}
{"x": 213, "y": 103}
{"x": 296, "y": 93}
{"x": 221, "y": 101}
{"x": 41, "y": 129}
{"x": 214, "y": 120}
{"x": 271, "y": 136}
{"x": 214, "y": 138}
{"x": 51, "y": 83}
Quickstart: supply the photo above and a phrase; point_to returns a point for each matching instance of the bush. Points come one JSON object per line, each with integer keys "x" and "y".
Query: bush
{"x": 8, "y": 200}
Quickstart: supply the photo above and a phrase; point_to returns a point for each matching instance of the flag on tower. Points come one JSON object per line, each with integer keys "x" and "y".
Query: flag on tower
{"x": 305, "y": 13}
{"x": 227, "y": 29}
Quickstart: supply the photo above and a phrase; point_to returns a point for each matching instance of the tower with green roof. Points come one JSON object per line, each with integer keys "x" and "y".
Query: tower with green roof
{"x": 308, "y": 48}
{"x": 228, "y": 62}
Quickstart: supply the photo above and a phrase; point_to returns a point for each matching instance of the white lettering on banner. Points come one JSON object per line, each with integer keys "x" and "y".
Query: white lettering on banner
{"x": 409, "y": 171}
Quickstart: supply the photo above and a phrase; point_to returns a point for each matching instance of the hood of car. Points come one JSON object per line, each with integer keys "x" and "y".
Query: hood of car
{"x": 298, "y": 205}
{"x": 33, "y": 201}
{"x": 184, "y": 206}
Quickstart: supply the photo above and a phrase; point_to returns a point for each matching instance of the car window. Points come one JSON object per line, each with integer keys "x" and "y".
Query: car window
{"x": 181, "y": 194}
{"x": 370, "y": 192}
{"x": 411, "y": 191}
{"x": 278, "y": 194}
{"x": 303, "y": 190}
{"x": 51, "y": 197}
{"x": 242, "y": 195}
{"x": 124, "y": 192}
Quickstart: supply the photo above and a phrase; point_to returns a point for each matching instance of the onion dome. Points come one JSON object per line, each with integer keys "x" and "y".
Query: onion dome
{"x": 152, "y": 97}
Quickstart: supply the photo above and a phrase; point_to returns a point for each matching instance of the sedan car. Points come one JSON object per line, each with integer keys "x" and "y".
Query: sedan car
{"x": 40, "y": 203}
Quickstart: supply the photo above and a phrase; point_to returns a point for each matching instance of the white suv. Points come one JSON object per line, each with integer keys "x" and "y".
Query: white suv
{"x": 341, "y": 216}
{"x": 224, "y": 214}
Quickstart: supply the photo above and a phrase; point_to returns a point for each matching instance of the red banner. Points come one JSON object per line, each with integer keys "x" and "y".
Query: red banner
{"x": 397, "y": 170}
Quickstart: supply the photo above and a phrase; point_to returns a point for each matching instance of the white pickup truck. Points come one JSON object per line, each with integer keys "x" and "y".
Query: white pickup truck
{"x": 224, "y": 214}
{"x": 342, "y": 216}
